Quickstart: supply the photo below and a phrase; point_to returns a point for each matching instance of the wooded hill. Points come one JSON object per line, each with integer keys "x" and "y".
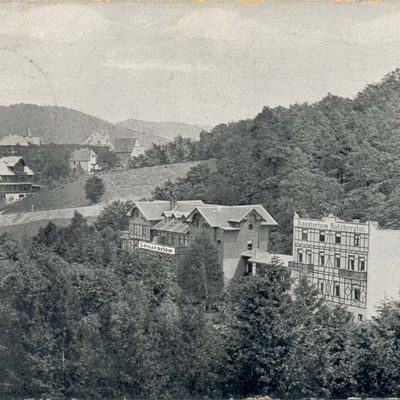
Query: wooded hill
{"x": 336, "y": 156}
{"x": 167, "y": 130}
{"x": 62, "y": 125}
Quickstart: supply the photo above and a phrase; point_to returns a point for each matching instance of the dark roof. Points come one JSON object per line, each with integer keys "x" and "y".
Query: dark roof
{"x": 124, "y": 144}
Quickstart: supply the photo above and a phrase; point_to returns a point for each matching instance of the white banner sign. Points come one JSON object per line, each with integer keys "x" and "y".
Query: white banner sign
{"x": 157, "y": 247}
{"x": 331, "y": 226}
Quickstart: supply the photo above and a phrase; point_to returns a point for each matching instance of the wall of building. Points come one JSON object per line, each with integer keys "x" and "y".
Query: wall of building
{"x": 384, "y": 267}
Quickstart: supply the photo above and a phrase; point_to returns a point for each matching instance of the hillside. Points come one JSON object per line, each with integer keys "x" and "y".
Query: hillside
{"x": 121, "y": 185}
{"x": 62, "y": 125}
{"x": 167, "y": 130}
{"x": 337, "y": 156}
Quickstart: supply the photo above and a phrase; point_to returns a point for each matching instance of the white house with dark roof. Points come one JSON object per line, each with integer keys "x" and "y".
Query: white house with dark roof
{"x": 170, "y": 227}
{"x": 84, "y": 159}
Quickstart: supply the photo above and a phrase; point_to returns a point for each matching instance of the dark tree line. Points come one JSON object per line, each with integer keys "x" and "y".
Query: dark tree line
{"x": 82, "y": 317}
{"x": 336, "y": 156}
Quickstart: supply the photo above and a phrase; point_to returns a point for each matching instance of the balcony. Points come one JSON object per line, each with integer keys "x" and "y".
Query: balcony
{"x": 301, "y": 267}
{"x": 349, "y": 274}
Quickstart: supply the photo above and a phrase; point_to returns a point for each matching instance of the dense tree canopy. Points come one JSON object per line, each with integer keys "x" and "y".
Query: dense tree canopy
{"x": 336, "y": 156}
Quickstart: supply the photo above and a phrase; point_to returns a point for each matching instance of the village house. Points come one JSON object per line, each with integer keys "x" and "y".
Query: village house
{"x": 168, "y": 227}
{"x": 98, "y": 139}
{"x": 85, "y": 160}
{"x": 17, "y": 144}
{"x": 16, "y": 179}
{"x": 126, "y": 148}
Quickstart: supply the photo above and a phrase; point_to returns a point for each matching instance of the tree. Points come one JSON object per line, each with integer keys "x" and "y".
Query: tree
{"x": 256, "y": 333}
{"x": 94, "y": 189}
{"x": 200, "y": 274}
{"x": 106, "y": 158}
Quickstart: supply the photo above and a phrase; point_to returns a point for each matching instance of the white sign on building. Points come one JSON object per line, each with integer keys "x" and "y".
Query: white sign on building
{"x": 156, "y": 247}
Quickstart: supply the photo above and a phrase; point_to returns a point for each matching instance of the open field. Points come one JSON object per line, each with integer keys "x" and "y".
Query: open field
{"x": 120, "y": 185}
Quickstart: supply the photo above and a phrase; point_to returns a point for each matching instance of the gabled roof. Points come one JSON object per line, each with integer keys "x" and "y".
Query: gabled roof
{"x": 12, "y": 160}
{"x": 154, "y": 210}
{"x": 13, "y": 140}
{"x": 221, "y": 216}
{"x": 82, "y": 155}
{"x": 4, "y": 169}
{"x": 124, "y": 144}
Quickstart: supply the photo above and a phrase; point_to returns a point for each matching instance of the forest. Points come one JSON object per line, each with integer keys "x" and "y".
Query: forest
{"x": 81, "y": 317}
{"x": 337, "y": 156}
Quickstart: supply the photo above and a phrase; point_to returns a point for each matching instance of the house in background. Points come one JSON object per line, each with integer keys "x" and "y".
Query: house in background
{"x": 18, "y": 144}
{"x": 98, "y": 139}
{"x": 84, "y": 159}
{"x": 16, "y": 179}
{"x": 127, "y": 148}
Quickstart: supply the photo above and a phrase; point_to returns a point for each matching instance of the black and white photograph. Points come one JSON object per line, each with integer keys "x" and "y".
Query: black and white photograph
{"x": 200, "y": 200}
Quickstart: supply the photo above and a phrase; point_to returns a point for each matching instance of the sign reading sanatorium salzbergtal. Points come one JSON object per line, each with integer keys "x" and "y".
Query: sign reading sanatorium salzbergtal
{"x": 156, "y": 247}
{"x": 332, "y": 226}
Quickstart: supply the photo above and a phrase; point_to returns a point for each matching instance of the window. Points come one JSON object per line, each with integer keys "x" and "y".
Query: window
{"x": 356, "y": 239}
{"x": 338, "y": 238}
{"x": 250, "y": 245}
{"x": 351, "y": 263}
{"x": 321, "y": 286}
{"x": 300, "y": 256}
{"x": 361, "y": 264}
{"x": 322, "y": 236}
{"x": 250, "y": 227}
{"x": 337, "y": 260}
{"x": 337, "y": 289}
{"x": 309, "y": 257}
{"x": 360, "y": 317}
{"x": 356, "y": 293}
{"x": 321, "y": 258}
{"x": 249, "y": 269}
{"x": 144, "y": 230}
{"x": 185, "y": 241}
{"x": 304, "y": 234}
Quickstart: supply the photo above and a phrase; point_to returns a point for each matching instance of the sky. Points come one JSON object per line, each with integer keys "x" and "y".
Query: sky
{"x": 203, "y": 62}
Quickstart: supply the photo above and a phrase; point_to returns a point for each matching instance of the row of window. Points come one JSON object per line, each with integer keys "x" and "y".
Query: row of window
{"x": 351, "y": 261}
{"x": 355, "y": 290}
{"x": 139, "y": 230}
{"x": 356, "y": 237}
{"x": 173, "y": 239}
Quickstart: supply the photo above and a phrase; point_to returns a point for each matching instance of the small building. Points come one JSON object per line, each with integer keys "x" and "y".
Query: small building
{"x": 16, "y": 179}
{"x": 351, "y": 263}
{"x": 18, "y": 144}
{"x": 85, "y": 159}
{"x": 98, "y": 139}
{"x": 169, "y": 228}
{"x": 126, "y": 148}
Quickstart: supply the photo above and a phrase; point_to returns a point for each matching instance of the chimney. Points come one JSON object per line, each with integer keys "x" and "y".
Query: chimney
{"x": 172, "y": 203}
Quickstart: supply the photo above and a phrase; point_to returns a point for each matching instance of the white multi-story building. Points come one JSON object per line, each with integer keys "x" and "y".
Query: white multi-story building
{"x": 351, "y": 263}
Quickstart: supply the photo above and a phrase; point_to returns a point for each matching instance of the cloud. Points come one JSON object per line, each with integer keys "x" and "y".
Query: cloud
{"x": 380, "y": 30}
{"x": 159, "y": 66}
{"x": 225, "y": 25}
{"x": 59, "y": 23}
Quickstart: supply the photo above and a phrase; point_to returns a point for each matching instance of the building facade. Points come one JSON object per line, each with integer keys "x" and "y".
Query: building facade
{"x": 84, "y": 159}
{"x": 351, "y": 263}
{"x": 170, "y": 227}
{"x": 16, "y": 179}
